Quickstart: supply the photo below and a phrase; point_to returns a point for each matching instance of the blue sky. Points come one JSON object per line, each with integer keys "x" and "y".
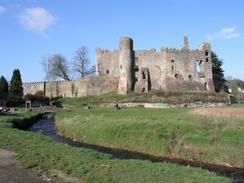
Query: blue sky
{"x": 30, "y": 29}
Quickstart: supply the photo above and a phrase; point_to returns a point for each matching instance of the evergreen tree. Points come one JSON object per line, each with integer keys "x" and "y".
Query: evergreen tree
{"x": 3, "y": 87}
{"x": 16, "y": 84}
{"x": 218, "y": 73}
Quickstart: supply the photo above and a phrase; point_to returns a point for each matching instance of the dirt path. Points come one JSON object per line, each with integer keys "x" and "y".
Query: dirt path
{"x": 11, "y": 173}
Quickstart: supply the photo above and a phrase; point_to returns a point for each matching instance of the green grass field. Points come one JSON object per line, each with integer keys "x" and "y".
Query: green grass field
{"x": 238, "y": 105}
{"x": 165, "y": 132}
{"x": 40, "y": 154}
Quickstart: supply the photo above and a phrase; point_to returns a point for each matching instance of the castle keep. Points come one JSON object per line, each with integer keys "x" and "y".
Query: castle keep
{"x": 127, "y": 70}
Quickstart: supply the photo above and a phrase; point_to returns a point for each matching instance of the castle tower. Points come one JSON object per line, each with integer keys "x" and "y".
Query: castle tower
{"x": 125, "y": 65}
{"x": 205, "y": 49}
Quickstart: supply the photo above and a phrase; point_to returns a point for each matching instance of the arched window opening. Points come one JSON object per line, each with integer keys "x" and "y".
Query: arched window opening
{"x": 206, "y": 86}
{"x": 143, "y": 75}
{"x": 198, "y": 65}
{"x": 206, "y": 53}
{"x": 143, "y": 90}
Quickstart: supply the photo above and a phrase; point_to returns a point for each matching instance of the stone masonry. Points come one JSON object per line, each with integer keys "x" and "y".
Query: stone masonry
{"x": 127, "y": 70}
{"x": 168, "y": 70}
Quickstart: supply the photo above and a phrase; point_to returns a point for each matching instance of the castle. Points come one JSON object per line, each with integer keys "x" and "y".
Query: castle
{"x": 127, "y": 70}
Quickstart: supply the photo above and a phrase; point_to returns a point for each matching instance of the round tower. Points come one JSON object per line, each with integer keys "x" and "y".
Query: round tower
{"x": 125, "y": 65}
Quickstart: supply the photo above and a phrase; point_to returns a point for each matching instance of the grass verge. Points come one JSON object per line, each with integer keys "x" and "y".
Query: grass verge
{"x": 151, "y": 97}
{"x": 40, "y": 153}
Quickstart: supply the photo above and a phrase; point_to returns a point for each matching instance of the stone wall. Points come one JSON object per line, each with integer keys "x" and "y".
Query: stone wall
{"x": 185, "y": 76}
{"x": 169, "y": 69}
{"x": 84, "y": 87}
{"x": 32, "y": 88}
{"x": 107, "y": 63}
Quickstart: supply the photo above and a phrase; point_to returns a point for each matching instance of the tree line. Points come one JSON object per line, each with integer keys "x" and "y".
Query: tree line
{"x": 57, "y": 67}
{"x": 236, "y": 85}
{"x": 13, "y": 89}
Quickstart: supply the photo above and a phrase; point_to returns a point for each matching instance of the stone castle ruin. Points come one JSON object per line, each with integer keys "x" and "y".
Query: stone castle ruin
{"x": 127, "y": 70}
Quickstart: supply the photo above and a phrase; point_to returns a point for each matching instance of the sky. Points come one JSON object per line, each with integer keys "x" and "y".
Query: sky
{"x": 31, "y": 29}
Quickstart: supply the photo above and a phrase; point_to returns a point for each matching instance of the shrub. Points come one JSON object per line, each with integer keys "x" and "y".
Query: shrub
{"x": 40, "y": 93}
{"x": 240, "y": 98}
{"x": 14, "y": 101}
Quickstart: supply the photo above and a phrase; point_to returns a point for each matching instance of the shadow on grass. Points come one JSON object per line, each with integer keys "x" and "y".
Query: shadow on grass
{"x": 9, "y": 114}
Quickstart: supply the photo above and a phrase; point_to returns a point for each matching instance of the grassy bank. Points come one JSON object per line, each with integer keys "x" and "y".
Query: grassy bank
{"x": 166, "y": 132}
{"x": 40, "y": 153}
{"x": 151, "y": 97}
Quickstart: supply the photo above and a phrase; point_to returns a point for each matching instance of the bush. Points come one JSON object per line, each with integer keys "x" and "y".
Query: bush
{"x": 15, "y": 101}
{"x": 240, "y": 98}
{"x": 25, "y": 123}
{"x": 40, "y": 93}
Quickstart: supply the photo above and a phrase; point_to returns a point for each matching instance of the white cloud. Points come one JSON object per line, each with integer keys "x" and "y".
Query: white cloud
{"x": 36, "y": 19}
{"x": 2, "y": 10}
{"x": 225, "y": 33}
{"x": 230, "y": 32}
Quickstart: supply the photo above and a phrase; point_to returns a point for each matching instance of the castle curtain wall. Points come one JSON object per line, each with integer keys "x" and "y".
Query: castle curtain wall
{"x": 89, "y": 86}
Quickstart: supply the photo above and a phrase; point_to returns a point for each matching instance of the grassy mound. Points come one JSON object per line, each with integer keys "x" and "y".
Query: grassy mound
{"x": 151, "y": 97}
{"x": 166, "y": 132}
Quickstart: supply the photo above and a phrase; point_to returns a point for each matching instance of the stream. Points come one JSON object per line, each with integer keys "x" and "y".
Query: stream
{"x": 46, "y": 126}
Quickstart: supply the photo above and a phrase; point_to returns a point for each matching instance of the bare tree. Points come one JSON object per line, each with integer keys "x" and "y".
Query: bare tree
{"x": 55, "y": 66}
{"x": 46, "y": 65}
{"x": 92, "y": 70}
{"x": 81, "y": 62}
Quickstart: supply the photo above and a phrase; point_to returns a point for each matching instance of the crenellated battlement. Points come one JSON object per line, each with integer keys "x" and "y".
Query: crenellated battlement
{"x": 43, "y": 82}
{"x": 152, "y": 50}
{"x": 165, "y": 50}
{"x": 57, "y": 81}
{"x": 105, "y": 51}
{"x": 32, "y": 83}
